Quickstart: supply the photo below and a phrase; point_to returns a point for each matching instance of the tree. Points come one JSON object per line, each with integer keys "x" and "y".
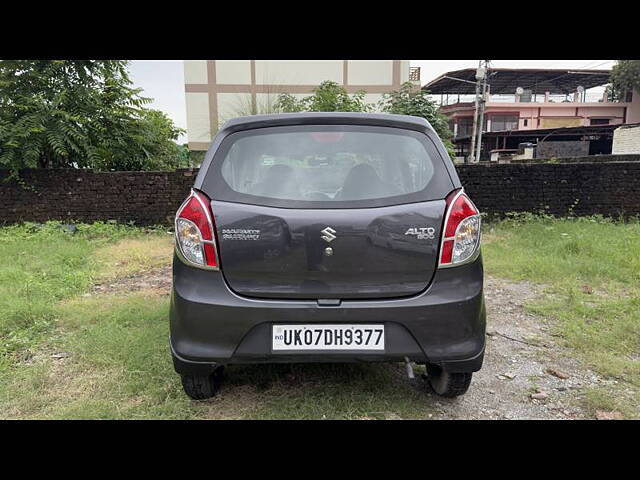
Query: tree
{"x": 327, "y": 97}
{"x": 331, "y": 97}
{"x": 625, "y": 77}
{"x": 409, "y": 100}
{"x": 149, "y": 143}
{"x": 79, "y": 113}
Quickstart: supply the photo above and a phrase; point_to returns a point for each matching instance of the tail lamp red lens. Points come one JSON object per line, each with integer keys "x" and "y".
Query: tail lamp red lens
{"x": 195, "y": 236}
{"x": 461, "y": 237}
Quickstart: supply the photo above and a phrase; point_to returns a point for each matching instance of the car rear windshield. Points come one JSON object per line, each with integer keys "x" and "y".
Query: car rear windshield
{"x": 329, "y": 166}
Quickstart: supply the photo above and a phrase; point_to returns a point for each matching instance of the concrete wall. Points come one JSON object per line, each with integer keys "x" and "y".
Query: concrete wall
{"x": 626, "y": 140}
{"x": 297, "y": 72}
{"x": 633, "y": 112}
{"x": 568, "y": 148}
{"x": 217, "y": 90}
{"x": 148, "y": 198}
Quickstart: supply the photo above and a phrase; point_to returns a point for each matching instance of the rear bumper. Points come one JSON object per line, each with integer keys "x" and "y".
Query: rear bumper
{"x": 210, "y": 324}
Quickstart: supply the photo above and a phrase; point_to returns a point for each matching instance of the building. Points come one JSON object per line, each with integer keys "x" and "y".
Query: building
{"x": 525, "y": 105}
{"x": 554, "y": 142}
{"x": 217, "y": 90}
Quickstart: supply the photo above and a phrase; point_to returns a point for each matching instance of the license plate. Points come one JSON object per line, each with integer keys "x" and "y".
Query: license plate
{"x": 328, "y": 337}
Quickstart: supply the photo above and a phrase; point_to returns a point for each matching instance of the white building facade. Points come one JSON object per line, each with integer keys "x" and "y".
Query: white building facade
{"x": 217, "y": 90}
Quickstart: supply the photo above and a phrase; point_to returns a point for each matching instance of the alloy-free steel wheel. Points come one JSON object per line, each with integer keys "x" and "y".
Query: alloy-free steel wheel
{"x": 448, "y": 384}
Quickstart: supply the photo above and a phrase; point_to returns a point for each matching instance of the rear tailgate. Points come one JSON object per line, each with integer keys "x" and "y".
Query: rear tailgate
{"x": 374, "y": 252}
{"x": 328, "y": 211}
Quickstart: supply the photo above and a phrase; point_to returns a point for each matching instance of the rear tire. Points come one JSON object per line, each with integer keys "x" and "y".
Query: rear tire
{"x": 201, "y": 387}
{"x": 448, "y": 384}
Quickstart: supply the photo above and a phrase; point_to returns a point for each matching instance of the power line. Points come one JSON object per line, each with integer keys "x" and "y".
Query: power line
{"x": 596, "y": 66}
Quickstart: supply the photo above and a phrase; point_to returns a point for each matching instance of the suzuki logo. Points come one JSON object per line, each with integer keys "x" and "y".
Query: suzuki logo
{"x": 329, "y": 234}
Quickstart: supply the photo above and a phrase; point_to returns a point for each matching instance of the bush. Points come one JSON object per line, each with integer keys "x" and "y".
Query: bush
{"x": 409, "y": 100}
{"x": 328, "y": 97}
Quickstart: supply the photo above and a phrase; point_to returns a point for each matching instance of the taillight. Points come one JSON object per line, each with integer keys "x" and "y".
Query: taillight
{"x": 461, "y": 238}
{"x": 195, "y": 232}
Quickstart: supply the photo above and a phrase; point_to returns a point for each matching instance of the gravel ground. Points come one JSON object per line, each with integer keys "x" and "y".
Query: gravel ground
{"x": 523, "y": 360}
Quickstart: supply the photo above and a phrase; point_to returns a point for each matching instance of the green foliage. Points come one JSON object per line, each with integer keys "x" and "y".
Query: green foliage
{"x": 625, "y": 76}
{"x": 79, "y": 113}
{"x": 409, "y": 100}
{"x": 149, "y": 143}
{"x": 612, "y": 94}
{"x": 327, "y": 97}
{"x": 196, "y": 157}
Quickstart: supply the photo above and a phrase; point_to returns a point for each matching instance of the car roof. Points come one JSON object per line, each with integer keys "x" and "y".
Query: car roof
{"x": 325, "y": 118}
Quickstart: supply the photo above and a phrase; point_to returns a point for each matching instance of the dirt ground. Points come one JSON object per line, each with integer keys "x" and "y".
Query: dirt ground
{"x": 527, "y": 373}
{"x": 157, "y": 279}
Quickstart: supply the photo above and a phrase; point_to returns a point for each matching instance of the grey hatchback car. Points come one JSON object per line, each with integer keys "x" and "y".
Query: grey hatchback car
{"x": 327, "y": 237}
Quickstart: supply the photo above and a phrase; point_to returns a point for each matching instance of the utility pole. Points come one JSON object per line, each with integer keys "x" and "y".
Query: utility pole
{"x": 472, "y": 152}
{"x": 478, "y": 111}
{"x": 485, "y": 70}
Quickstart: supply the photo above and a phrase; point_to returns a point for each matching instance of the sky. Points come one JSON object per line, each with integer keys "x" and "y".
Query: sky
{"x": 163, "y": 80}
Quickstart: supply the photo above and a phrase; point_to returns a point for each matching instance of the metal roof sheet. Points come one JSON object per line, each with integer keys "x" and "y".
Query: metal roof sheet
{"x": 506, "y": 80}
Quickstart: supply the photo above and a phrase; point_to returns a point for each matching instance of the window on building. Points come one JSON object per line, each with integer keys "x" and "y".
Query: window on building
{"x": 600, "y": 121}
{"x": 526, "y": 122}
{"x": 500, "y": 123}
{"x": 465, "y": 126}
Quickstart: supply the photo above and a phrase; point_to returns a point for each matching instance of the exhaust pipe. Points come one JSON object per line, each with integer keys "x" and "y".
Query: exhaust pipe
{"x": 409, "y": 367}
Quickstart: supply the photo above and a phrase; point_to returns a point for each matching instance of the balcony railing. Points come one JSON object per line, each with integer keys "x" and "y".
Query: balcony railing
{"x": 452, "y": 99}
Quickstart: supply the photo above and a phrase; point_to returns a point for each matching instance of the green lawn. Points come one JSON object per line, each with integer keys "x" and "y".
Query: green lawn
{"x": 67, "y": 352}
{"x": 591, "y": 268}
{"x": 40, "y": 265}
{"x": 115, "y": 359}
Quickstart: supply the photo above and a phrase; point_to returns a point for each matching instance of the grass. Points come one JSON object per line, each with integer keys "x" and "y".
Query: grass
{"x": 106, "y": 355}
{"x": 591, "y": 268}
{"x": 133, "y": 256}
{"x": 41, "y": 264}
{"x": 119, "y": 367}
{"x": 44, "y": 270}
{"x": 69, "y": 353}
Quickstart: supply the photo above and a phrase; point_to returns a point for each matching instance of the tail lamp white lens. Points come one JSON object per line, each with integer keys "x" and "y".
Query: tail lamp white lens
{"x": 190, "y": 241}
{"x": 466, "y": 239}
